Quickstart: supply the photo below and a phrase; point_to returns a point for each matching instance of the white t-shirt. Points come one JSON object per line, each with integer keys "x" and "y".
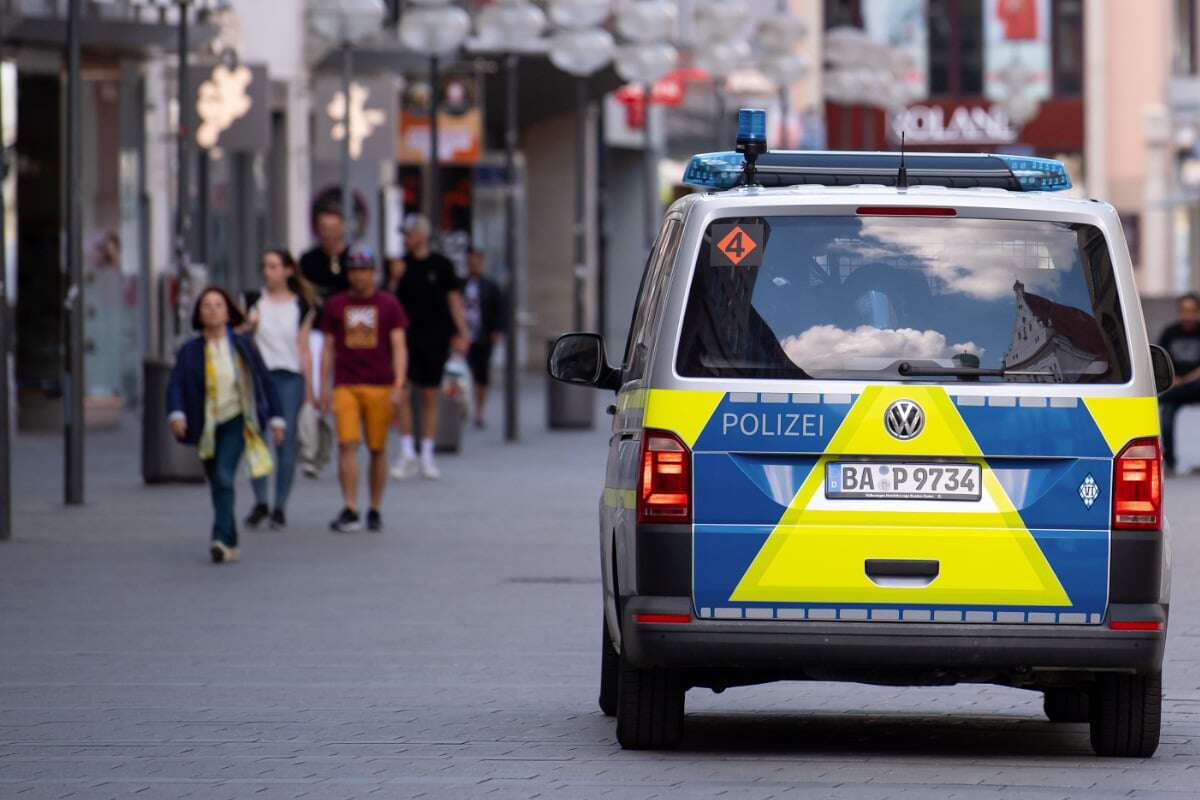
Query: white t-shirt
{"x": 277, "y": 333}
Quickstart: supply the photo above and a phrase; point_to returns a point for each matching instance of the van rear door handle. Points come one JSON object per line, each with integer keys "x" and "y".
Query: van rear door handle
{"x": 901, "y": 571}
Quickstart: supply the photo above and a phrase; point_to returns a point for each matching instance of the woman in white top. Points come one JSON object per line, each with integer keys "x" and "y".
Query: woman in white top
{"x": 281, "y": 319}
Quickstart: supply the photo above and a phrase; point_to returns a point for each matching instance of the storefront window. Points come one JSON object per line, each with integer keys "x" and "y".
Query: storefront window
{"x": 843, "y": 13}
{"x": 1067, "y": 50}
{"x": 110, "y": 247}
{"x": 1185, "y": 56}
{"x": 955, "y": 47}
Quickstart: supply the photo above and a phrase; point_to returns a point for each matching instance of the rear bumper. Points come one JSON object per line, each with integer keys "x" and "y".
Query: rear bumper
{"x": 752, "y": 651}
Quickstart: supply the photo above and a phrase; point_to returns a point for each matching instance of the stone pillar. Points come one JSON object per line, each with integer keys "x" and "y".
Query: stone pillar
{"x": 1155, "y": 277}
{"x": 1096, "y": 91}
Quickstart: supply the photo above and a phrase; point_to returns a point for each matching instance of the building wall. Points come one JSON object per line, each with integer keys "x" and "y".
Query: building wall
{"x": 805, "y": 95}
{"x": 1136, "y": 65}
{"x": 275, "y": 34}
{"x": 1129, "y": 159}
{"x": 626, "y": 254}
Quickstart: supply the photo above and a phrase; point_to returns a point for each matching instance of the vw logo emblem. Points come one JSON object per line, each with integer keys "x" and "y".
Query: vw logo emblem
{"x": 904, "y": 419}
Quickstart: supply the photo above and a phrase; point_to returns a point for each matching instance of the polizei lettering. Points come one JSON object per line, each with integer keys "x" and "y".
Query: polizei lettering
{"x": 781, "y": 423}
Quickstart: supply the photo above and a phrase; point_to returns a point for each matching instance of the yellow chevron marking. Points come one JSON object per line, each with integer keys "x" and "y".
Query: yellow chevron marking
{"x": 985, "y": 557}
{"x": 1123, "y": 418}
{"x": 683, "y": 411}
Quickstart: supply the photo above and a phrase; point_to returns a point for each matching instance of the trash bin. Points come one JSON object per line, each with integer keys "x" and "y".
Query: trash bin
{"x": 568, "y": 407}
{"x": 163, "y": 458}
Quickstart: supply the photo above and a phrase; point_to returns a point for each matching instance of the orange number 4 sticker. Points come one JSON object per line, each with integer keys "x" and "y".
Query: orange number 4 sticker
{"x": 737, "y": 244}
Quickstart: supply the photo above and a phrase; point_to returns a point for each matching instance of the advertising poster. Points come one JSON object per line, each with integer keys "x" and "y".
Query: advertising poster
{"x": 460, "y": 122}
{"x": 902, "y": 25}
{"x": 1017, "y": 55}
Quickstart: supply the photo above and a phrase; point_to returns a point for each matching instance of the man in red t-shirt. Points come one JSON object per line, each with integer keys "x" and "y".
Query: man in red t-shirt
{"x": 366, "y": 357}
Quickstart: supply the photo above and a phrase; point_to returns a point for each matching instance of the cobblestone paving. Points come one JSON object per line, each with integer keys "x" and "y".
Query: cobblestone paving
{"x": 454, "y": 656}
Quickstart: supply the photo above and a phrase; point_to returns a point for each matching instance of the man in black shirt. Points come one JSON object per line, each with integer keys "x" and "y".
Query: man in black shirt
{"x": 325, "y": 268}
{"x": 325, "y": 265}
{"x": 485, "y": 313}
{"x": 1182, "y": 341}
{"x": 431, "y": 293}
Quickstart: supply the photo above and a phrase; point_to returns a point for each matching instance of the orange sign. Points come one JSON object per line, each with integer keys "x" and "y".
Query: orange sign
{"x": 736, "y": 245}
{"x": 460, "y": 122}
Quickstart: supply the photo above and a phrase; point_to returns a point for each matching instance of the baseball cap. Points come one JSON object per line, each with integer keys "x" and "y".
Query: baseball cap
{"x": 360, "y": 258}
{"x": 417, "y": 223}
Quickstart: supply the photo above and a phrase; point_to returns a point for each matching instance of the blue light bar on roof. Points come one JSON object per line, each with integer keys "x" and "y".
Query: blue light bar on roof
{"x": 1038, "y": 174}
{"x": 715, "y": 170}
{"x": 725, "y": 170}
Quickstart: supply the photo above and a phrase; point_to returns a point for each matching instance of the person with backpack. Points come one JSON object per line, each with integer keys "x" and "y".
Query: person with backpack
{"x": 221, "y": 399}
{"x": 281, "y": 319}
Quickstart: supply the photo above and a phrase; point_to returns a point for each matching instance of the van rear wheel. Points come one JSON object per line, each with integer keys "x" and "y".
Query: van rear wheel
{"x": 649, "y": 707}
{"x": 1126, "y": 715}
{"x": 610, "y": 670}
{"x": 1066, "y": 705}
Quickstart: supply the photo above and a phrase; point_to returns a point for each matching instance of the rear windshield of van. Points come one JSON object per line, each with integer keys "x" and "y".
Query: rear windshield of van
{"x": 903, "y": 298}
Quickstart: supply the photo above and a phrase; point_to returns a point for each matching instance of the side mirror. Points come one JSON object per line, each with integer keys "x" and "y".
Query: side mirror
{"x": 578, "y": 358}
{"x": 1164, "y": 370}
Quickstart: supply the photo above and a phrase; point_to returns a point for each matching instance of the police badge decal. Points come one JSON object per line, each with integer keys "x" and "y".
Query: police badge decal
{"x": 1089, "y": 491}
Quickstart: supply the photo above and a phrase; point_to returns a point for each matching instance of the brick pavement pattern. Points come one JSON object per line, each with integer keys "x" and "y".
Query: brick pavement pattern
{"x": 455, "y": 656}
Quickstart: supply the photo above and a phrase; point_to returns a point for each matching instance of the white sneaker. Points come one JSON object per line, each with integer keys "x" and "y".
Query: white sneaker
{"x": 429, "y": 470}
{"x": 405, "y": 467}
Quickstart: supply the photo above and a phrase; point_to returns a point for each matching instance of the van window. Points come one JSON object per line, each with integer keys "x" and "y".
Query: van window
{"x": 874, "y": 297}
{"x": 650, "y": 298}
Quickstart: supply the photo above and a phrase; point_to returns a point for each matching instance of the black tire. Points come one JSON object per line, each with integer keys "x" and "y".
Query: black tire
{"x": 1067, "y": 705}
{"x": 610, "y": 672}
{"x": 649, "y": 708}
{"x": 1126, "y": 715}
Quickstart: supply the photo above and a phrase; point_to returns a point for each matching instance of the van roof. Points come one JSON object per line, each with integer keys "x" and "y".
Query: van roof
{"x": 1050, "y": 204}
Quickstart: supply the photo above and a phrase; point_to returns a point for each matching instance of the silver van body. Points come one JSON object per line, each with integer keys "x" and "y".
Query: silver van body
{"x": 682, "y": 611}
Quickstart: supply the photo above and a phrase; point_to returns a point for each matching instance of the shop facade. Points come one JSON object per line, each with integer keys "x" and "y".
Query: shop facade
{"x": 120, "y": 113}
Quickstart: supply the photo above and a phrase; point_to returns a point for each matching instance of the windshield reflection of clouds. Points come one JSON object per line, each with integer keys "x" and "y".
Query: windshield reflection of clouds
{"x": 828, "y": 347}
{"x": 859, "y": 293}
{"x": 978, "y": 258}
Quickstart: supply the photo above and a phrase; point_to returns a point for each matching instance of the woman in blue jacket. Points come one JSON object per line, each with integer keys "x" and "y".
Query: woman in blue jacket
{"x": 221, "y": 399}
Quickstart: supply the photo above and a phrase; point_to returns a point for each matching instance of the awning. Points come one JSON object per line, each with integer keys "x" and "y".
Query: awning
{"x": 26, "y": 24}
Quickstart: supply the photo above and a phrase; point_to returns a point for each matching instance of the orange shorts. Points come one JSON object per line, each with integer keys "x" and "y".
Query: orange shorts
{"x": 356, "y": 408}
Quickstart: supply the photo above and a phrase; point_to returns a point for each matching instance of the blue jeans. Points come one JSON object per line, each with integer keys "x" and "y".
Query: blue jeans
{"x": 221, "y": 469}
{"x": 290, "y": 386}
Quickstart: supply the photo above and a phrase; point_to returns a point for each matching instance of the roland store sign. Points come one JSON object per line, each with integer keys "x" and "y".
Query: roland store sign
{"x": 953, "y": 123}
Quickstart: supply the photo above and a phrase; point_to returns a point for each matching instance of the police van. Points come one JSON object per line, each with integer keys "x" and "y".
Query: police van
{"x": 883, "y": 418}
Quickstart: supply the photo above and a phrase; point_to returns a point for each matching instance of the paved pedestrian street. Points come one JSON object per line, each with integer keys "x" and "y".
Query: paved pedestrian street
{"x": 455, "y": 656}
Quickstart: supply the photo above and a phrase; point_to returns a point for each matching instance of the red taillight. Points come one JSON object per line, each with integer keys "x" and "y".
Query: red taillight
{"x": 665, "y": 484}
{"x": 662, "y": 619}
{"x": 1135, "y": 625}
{"x": 1137, "y": 486}
{"x": 906, "y": 211}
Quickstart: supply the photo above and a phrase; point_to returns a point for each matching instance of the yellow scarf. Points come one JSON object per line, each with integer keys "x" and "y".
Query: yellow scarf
{"x": 258, "y": 455}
